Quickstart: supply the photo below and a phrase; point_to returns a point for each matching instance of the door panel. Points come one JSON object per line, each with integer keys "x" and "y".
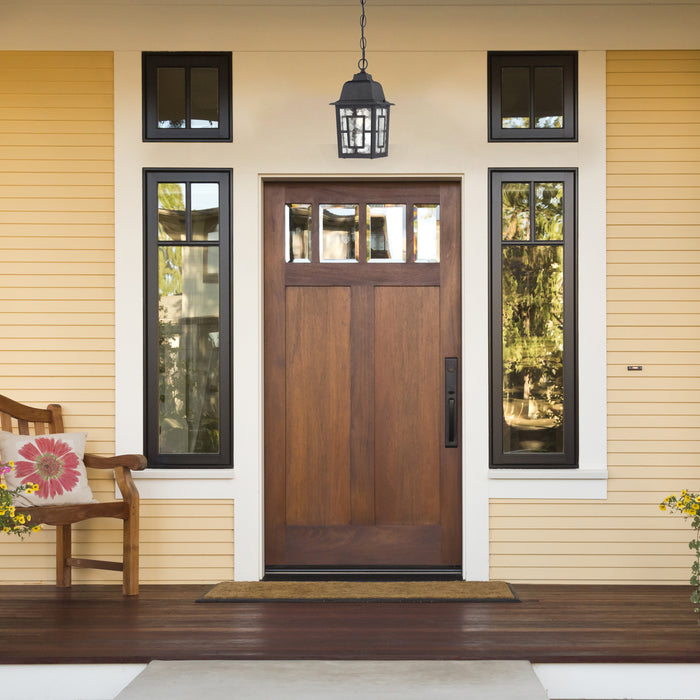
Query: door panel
{"x": 407, "y": 405}
{"x": 357, "y": 474}
{"x": 318, "y": 430}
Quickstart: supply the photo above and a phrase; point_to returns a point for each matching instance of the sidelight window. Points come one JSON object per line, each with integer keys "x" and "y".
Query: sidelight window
{"x": 533, "y": 319}
{"x": 188, "y": 345}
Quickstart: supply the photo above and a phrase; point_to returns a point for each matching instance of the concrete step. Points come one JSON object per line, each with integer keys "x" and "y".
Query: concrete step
{"x": 336, "y": 680}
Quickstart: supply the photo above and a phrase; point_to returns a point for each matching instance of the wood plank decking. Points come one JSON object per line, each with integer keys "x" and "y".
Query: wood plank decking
{"x": 576, "y": 624}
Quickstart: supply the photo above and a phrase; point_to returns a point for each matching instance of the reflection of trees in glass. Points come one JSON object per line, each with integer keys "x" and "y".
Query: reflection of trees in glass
{"x": 188, "y": 361}
{"x": 515, "y": 197}
{"x": 549, "y": 211}
{"x": 533, "y": 345}
{"x": 171, "y": 211}
{"x": 533, "y": 305}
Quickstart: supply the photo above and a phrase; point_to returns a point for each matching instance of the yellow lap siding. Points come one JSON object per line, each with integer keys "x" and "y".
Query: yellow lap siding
{"x": 653, "y": 273}
{"x": 57, "y": 308}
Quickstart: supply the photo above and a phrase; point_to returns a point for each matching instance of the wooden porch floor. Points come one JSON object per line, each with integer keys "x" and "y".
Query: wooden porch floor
{"x": 575, "y": 624}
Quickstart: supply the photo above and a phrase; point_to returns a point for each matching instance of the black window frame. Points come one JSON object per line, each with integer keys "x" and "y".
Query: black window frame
{"x": 567, "y": 60}
{"x": 151, "y": 178}
{"x": 152, "y": 60}
{"x": 568, "y": 459}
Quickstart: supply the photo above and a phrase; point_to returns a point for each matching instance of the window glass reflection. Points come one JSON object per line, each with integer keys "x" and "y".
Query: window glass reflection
{"x": 426, "y": 233}
{"x": 172, "y": 110}
{"x": 386, "y": 232}
{"x": 533, "y": 345}
{"x": 515, "y": 98}
{"x": 172, "y": 208}
{"x": 549, "y": 211}
{"x": 297, "y": 222}
{"x": 515, "y": 211}
{"x": 339, "y": 230}
{"x": 549, "y": 97}
{"x": 204, "y": 98}
{"x": 188, "y": 348}
{"x": 205, "y": 211}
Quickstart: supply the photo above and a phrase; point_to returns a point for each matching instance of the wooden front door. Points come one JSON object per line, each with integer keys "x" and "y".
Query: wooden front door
{"x": 362, "y": 345}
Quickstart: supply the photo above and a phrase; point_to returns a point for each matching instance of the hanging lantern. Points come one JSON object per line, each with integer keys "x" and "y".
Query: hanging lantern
{"x": 362, "y": 112}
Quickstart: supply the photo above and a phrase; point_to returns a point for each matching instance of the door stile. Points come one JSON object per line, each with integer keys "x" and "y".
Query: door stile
{"x": 274, "y": 384}
{"x": 450, "y": 325}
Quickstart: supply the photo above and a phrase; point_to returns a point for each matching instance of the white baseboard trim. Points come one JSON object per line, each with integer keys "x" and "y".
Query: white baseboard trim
{"x": 617, "y": 681}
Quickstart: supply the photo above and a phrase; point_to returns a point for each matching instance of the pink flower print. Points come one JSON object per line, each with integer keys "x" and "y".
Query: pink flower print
{"x": 51, "y": 463}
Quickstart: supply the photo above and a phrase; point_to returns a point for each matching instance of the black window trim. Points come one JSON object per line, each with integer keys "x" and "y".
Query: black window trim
{"x": 152, "y": 60}
{"x": 569, "y": 458}
{"x": 151, "y": 178}
{"x": 568, "y": 60}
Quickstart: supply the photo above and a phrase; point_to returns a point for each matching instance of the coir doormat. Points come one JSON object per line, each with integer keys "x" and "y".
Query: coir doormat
{"x": 360, "y": 591}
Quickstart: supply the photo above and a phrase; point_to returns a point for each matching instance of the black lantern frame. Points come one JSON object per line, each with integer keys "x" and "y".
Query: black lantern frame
{"x": 362, "y": 112}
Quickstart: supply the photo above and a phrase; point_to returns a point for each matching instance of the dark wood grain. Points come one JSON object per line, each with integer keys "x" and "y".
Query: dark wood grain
{"x": 373, "y": 545}
{"x": 407, "y": 399}
{"x": 274, "y": 384}
{"x": 318, "y": 406}
{"x": 574, "y": 624}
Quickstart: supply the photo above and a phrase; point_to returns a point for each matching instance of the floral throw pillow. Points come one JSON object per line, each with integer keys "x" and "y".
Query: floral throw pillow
{"x": 53, "y": 462}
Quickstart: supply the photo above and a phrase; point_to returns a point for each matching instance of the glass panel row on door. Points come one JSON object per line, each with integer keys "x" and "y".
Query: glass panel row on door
{"x": 385, "y": 225}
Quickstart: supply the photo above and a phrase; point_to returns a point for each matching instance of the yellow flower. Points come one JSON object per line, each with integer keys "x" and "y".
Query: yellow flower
{"x": 36, "y": 528}
{"x": 662, "y": 507}
{"x": 11, "y": 463}
{"x": 29, "y": 517}
{"x": 3, "y": 487}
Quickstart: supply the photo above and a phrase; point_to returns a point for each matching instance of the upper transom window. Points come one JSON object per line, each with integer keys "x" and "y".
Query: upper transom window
{"x": 532, "y": 96}
{"x": 187, "y": 96}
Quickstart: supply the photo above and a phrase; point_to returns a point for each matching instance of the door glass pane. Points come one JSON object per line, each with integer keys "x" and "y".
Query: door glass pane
{"x": 549, "y": 211}
{"x": 205, "y": 211}
{"x": 204, "y": 98}
{"x": 515, "y": 211}
{"x": 171, "y": 98}
{"x": 340, "y": 227}
{"x": 188, "y": 347}
{"x": 515, "y": 98}
{"x": 426, "y": 233}
{"x": 172, "y": 207}
{"x": 297, "y": 223}
{"x": 533, "y": 345}
{"x": 549, "y": 97}
{"x": 386, "y": 232}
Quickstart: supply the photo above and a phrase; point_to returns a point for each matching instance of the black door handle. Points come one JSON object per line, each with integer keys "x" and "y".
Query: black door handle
{"x": 451, "y": 412}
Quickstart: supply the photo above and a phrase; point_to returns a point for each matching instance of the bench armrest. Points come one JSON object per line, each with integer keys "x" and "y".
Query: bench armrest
{"x": 132, "y": 462}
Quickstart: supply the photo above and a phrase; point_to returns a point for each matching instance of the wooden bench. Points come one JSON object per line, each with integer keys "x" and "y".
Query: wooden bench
{"x": 25, "y": 420}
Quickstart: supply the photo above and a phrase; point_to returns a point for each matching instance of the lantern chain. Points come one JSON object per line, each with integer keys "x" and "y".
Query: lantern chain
{"x": 362, "y": 63}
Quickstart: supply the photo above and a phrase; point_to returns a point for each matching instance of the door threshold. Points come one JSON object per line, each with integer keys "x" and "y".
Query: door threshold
{"x": 341, "y": 573}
